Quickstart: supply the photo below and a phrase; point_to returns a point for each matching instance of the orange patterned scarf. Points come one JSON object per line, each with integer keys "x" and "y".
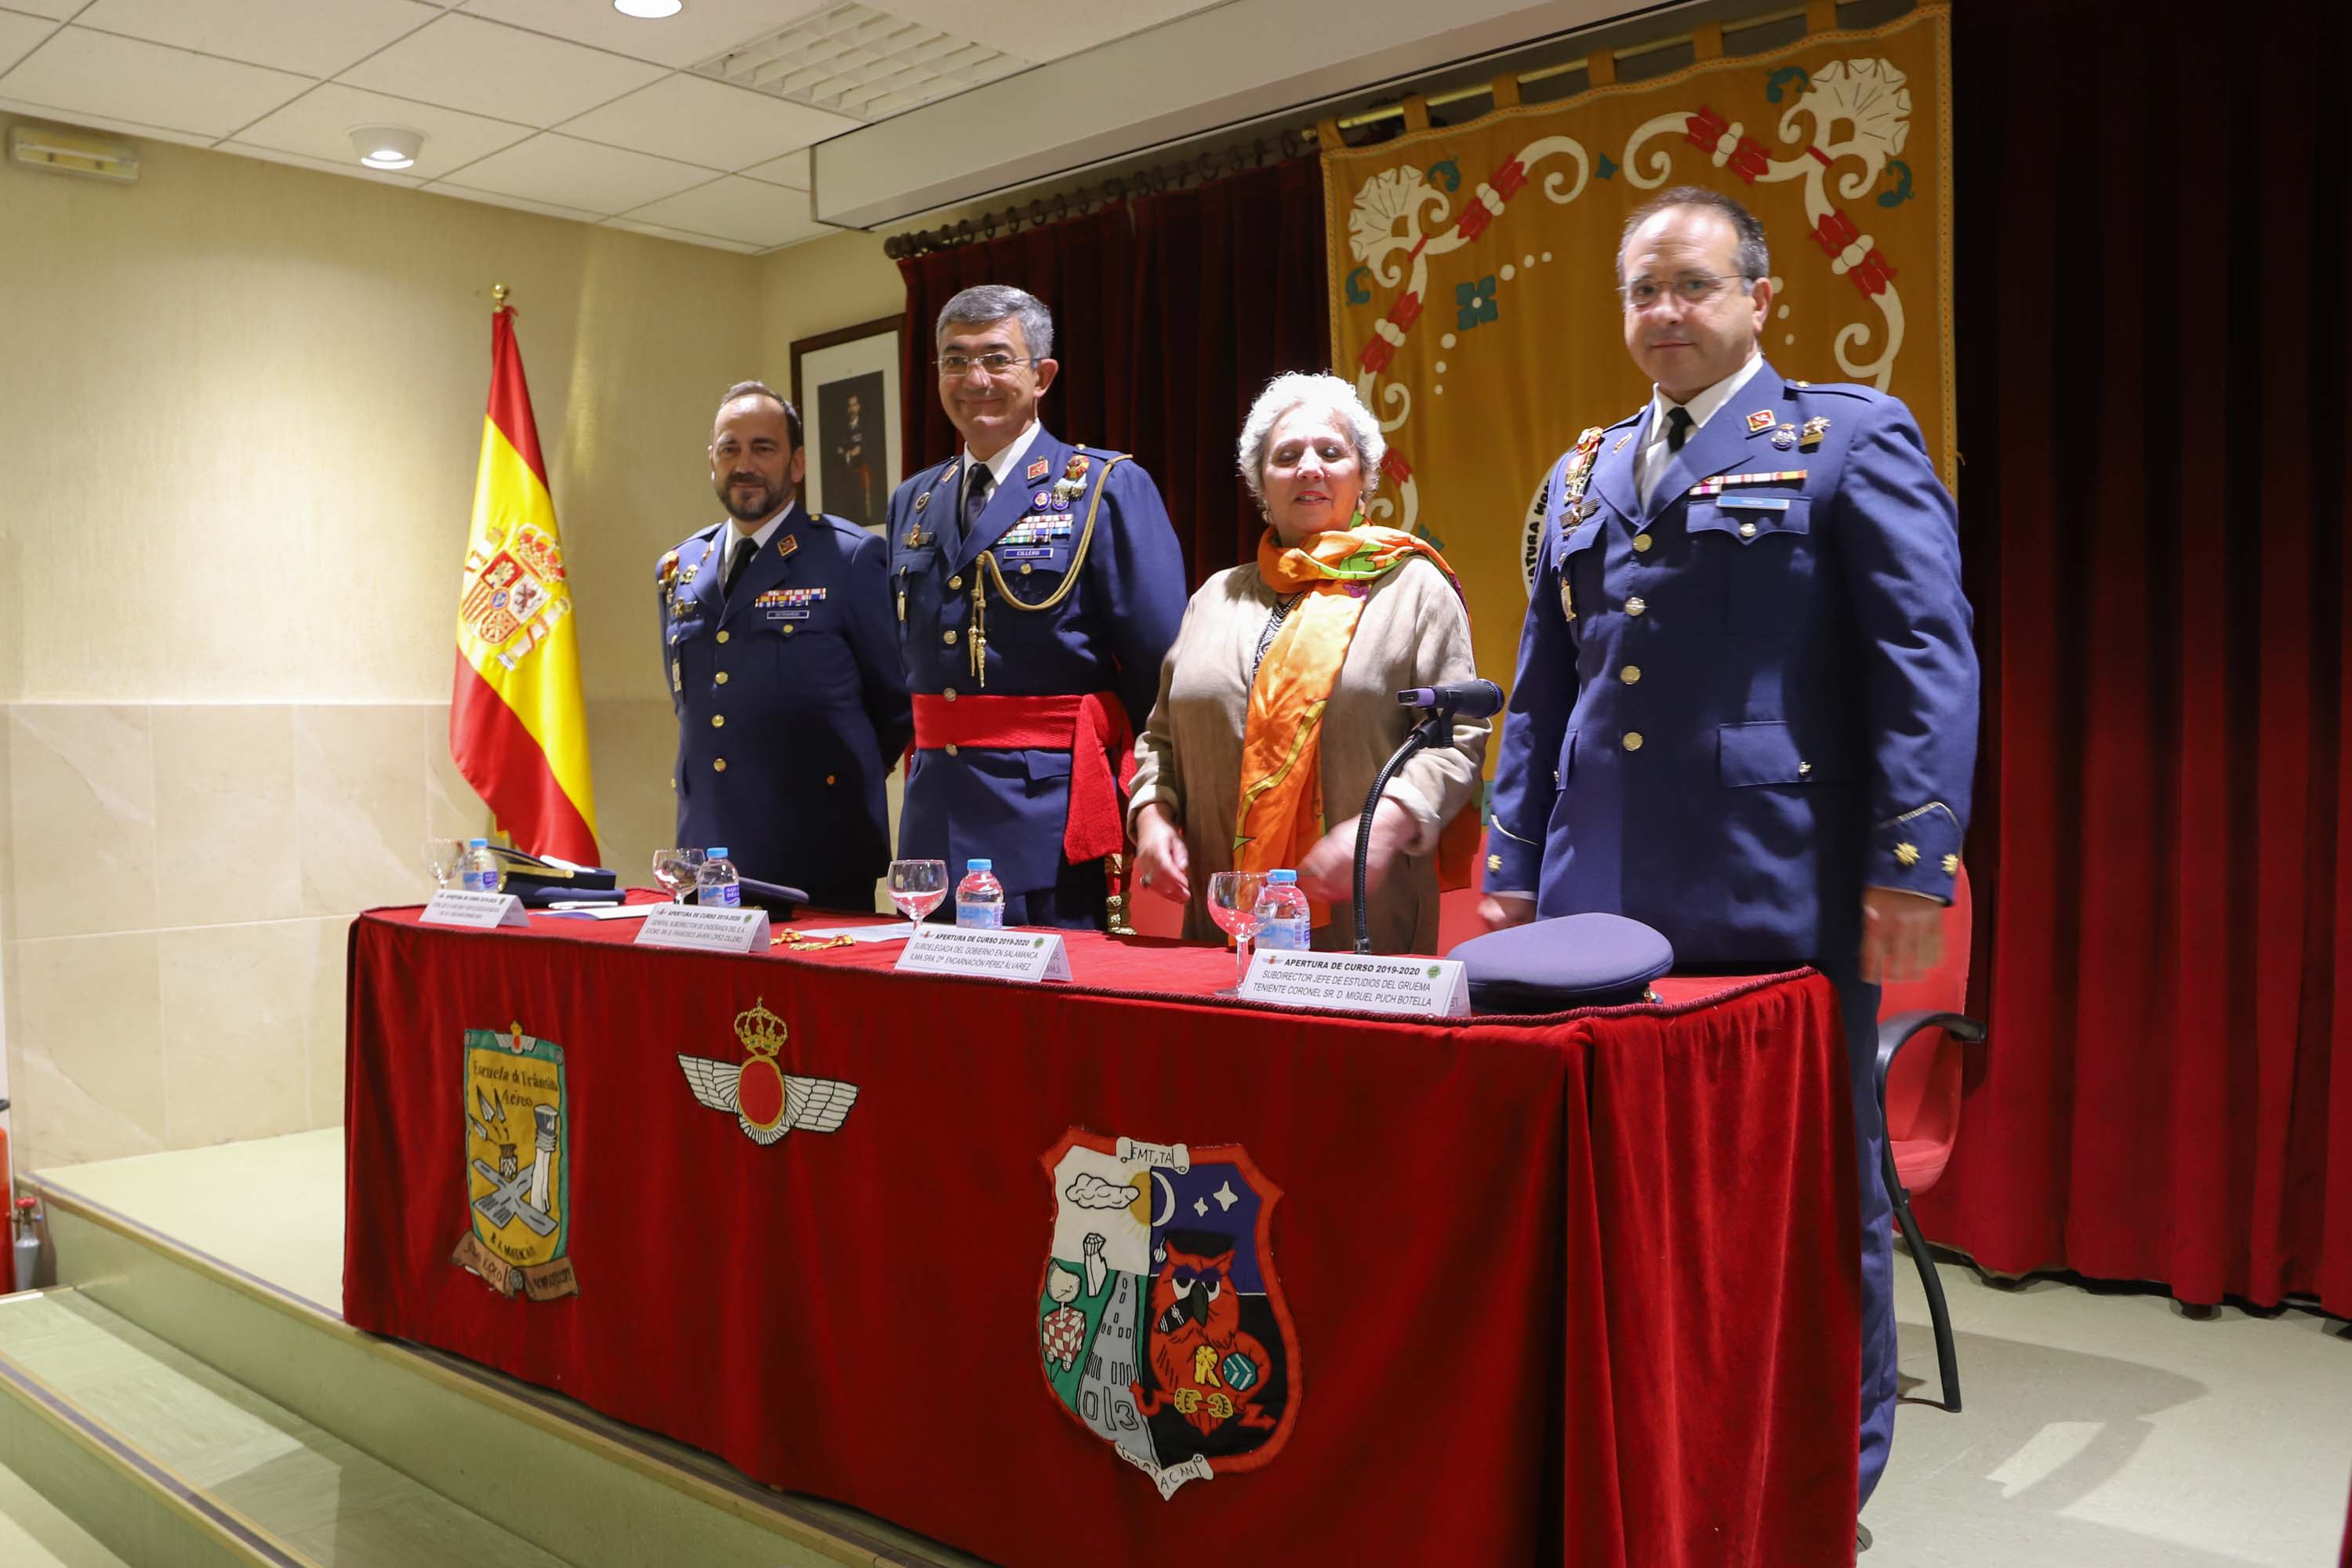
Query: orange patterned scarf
{"x": 1282, "y": 808}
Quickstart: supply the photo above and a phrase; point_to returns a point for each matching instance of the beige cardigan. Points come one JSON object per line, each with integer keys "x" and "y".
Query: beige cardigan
{"x": 1414, "y": 632}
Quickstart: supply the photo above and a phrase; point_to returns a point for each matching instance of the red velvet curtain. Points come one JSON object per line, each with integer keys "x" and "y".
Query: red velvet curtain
{"x": 1082, "y": 269}
{"x": 2153, "y": 266}
{"x": 1169, "y": 311}
{"x": 1230, "y": 291}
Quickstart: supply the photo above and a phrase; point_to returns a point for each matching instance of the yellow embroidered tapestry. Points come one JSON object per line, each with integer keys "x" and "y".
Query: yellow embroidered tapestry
{"x": 1473, "y": 296}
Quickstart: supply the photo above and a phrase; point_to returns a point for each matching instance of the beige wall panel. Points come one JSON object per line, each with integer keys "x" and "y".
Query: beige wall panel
{"x": 247, "y": 459}
{"x": 236, "y": 1003}
{"x": 224, "y": 808}
{"x": 86, "y": 1073}
{"x": 81, "y": 801}
{"x": 358, "y": 807}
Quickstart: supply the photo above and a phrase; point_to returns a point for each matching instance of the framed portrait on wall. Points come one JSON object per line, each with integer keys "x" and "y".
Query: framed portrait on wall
{"x": 846, "y": 385}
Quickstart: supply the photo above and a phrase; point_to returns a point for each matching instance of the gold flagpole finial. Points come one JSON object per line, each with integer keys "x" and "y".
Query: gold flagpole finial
{"x": 498, "y": 296}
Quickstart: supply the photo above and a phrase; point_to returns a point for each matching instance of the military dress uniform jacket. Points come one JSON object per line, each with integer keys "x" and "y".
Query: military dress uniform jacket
{"x": 1740, "y": 705}
{"x": 1107, "y": 621}
{"x": 791, "y": 708}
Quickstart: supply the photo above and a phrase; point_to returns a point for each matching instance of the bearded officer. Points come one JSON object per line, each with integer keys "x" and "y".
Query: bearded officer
{"x": 782, "y": 667}
{"x": 1746, "y": 709}
{"x": 1036, "y": 586}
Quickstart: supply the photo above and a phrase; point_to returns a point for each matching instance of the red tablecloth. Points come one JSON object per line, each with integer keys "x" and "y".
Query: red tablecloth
{"x": 1577, "y": 1289}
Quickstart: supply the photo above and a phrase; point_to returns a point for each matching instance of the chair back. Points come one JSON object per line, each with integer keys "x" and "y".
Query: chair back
{"x": 1923, "y": 1087}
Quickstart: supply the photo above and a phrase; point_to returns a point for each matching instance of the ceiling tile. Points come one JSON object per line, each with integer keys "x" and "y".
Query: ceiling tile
{"x": 707, "y": 240}
{"x": 739, "y": 209}
{"x": 55, "y": 10}
{"x": 1048, "y": 29}
{"x": 578, "y": 174}
{"x": 703, "y": 29}
{"x": 518, "y": 204}
{"x": 503, "y": 72}
{"x": 792, "y": 169}
{"x": 83, "y": 120}
{"x": 19, "y": 35}
{"x": 291, "y": 34}
{"x": 351, "y": 166}
{"x": 78, "y": 72}
{"x": 707, "y": 122}
{"x": 318, "y": 125}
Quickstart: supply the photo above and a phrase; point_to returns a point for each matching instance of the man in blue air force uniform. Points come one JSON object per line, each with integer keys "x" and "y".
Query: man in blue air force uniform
{"x": 777, "y": 647}
{"x": 1745, "y": 707}
{"x": 1037, "y": 585}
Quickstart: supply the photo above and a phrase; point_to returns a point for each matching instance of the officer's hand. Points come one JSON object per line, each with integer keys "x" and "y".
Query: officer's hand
{"x": 1327, "y": 872}
{"x": 1902, "y": 935}
{"x": 1161, "y": 862}
{"x": 1500, "y": 909}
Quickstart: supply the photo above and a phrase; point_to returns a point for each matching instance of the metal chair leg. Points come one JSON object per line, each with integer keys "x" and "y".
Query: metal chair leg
{"x": 1947, "y": 1361}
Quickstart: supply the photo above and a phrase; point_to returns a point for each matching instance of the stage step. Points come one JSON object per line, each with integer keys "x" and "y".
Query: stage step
{"x": 37, "y": 1533}
{"x": 203, "y": 1469}
{"x": 580, "y": 1487}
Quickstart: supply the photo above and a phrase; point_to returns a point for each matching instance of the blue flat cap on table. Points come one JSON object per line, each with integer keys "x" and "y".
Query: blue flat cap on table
{"x": 1572, "y": 960}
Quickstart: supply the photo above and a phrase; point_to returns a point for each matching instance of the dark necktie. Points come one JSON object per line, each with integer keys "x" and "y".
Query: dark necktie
{"x": 744, "y": 550}
{"x": 975, "y": 500}
{"x": 1678, "y": 429}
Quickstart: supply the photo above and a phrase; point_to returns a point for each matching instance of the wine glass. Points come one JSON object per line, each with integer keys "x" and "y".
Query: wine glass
{"x": 1233, "y": 904}
{"x": 675, "y": 868}
{"x": 441, "y": 857}
{"x": 918, "y": 887}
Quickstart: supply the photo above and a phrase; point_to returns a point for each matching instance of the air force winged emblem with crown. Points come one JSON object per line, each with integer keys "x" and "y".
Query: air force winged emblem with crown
{"x": 768, "y": 1101}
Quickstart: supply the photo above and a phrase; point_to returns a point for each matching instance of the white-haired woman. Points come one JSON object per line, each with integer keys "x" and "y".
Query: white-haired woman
{"x": 1277, "y": 702}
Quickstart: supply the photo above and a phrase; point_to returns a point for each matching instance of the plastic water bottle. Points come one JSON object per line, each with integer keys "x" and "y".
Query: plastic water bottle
{"x": 1284, "y": 921}
{"x": 715, "y": 882}
{"x": 980, "y": 897}
{"x": 478, "y": 871}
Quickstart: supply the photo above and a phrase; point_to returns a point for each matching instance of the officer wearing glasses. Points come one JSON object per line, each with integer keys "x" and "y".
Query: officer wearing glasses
{"x": 1036, "y": 586}
{"x": 1745, "y": 706}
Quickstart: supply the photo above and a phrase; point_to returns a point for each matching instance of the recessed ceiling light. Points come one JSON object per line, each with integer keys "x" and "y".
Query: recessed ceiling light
{"x": 387, "y": 146}
{"x": 649, "y": 10}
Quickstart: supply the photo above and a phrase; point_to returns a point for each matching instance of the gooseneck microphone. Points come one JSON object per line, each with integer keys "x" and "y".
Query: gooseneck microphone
{"x": 1455, "y": 699}
{"x": 1463, "y": 698}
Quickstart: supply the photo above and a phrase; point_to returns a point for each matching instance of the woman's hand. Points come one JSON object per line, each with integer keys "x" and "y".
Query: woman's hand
{"x": 1161, "y": 861}
{"x": 1500, "y": 909}
{"x": 1327, "y": 872}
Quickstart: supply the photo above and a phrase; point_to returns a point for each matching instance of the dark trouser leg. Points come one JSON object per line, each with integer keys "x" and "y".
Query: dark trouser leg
{"x": 1858, "y": 1008}
{"x": 1073, "y": 903}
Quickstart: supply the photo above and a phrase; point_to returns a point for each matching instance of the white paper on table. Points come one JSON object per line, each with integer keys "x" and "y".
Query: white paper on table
{"x": 605, "y": 912}
{"x": 898, "y": 930}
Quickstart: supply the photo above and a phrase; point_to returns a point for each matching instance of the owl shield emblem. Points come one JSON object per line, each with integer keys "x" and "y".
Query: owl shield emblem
{"x": 1161, "y": 1326}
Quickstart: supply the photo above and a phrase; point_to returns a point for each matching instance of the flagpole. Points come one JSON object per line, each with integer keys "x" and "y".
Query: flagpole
{"x": 497, "y": 297}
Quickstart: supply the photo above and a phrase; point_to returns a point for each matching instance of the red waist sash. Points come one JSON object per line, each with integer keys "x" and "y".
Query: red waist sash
{"x": 1091, "y": 728}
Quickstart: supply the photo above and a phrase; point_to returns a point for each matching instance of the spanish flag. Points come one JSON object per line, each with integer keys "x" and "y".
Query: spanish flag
{"x": 517, "y": 726}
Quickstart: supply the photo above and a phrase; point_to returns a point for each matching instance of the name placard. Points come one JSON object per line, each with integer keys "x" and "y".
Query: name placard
{"x": 705, "y": 930}
{"x": 1360, "y": 981}
{"x": 476, "y": 911}
{"x": 991, "y": 954}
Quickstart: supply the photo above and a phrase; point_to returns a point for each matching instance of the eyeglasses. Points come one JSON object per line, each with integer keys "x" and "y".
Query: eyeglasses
{"x": 1694, "y": 289}
{"x": 955, "y": 367}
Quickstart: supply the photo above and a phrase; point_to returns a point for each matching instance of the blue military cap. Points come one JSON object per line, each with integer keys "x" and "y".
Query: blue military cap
{"x": 773, "y": 897}
{"x": 1572, "y": 960}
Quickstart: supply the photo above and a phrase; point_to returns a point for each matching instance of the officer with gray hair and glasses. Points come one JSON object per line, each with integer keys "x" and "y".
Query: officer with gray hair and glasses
{"x": 1036, "y": 584}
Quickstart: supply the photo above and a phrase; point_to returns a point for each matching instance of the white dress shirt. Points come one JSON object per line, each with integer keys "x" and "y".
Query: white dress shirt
{"x": 1651, "y": 458}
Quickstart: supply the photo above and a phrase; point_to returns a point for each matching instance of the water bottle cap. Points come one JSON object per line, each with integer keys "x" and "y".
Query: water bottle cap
{"x": 719, "y": 852}
{"x": 1282, "y": 876}
{"x": 477, "y": 843}
{"x": 979, "y": 864}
